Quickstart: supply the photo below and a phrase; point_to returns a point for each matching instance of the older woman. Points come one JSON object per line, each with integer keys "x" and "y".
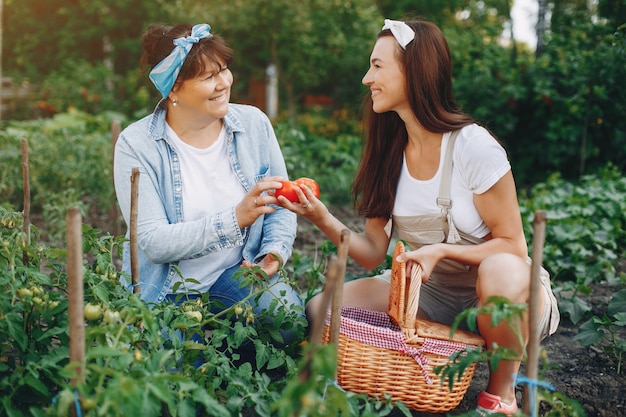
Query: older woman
{"x": 205, "y": 168}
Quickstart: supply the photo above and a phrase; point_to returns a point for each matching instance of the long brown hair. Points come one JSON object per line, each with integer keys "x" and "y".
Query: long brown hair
{"x": 428, "y": 67}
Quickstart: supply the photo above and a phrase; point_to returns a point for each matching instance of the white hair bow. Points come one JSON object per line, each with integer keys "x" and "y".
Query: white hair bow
{"x": 401, "y": 31}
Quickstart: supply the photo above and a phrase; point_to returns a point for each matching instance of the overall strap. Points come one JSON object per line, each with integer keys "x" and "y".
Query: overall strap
{"x": 444, "y": 201}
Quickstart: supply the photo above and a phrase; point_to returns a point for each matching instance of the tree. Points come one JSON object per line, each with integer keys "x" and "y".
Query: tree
{"x": 52, "y": 33}
{"x": 540, "y": 29}
{"x": 318, "y": 46}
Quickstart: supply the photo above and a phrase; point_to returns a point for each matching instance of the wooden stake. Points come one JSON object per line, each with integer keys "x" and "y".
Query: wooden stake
{"x": 26, "y": 182}
{"x": 317, "y": 325}
{"x": 116, "y": 129}
{"x": 337, "y": 295}
{"x": 532, "y": 364}
{"x": 75, "y": 292}
{"x": 134, "y": 197}
{"x": 114, "y": 215}
{"x": 333, "y": 290}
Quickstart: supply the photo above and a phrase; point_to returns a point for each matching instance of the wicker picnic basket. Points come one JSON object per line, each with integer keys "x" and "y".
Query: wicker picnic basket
{"x": 395, "y": 353}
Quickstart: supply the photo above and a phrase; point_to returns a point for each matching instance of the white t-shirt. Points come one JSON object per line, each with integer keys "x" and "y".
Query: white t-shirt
{"x": 479, "y": 161}
{"x": 209, "y": 186}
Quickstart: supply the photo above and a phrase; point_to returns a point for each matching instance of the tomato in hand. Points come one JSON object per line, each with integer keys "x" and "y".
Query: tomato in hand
{"x": 311, "y": 183}
{"x": 289, "y": 188}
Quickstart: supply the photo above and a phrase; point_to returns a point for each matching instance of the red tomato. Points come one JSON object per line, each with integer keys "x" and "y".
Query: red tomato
{"x": 311, "y": 183}
{"x": 288, "y": 191}
{"x": 288, "y": 188}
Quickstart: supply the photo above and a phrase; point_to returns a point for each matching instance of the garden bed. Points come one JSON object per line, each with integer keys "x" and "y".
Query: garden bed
{"x": 587, "y": 374}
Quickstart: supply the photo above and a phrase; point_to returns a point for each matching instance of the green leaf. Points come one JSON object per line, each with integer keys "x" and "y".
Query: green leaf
{"x": 103, "y": 352}
{"x": 620, "y": 319}
{"x": 14, "y": 324}
{"x": 617, "y": 303}
{"x": 275, "y": 361}
{"x": 589, "y": 333}
{"x": 275, "y": 335}
{"x": 37, "y": 385}
{"x": 262, "y": 353}
{"x": 575, "y": 307}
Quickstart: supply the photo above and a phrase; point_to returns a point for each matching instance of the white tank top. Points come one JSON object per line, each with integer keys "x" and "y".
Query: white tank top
{"x": 479, "y": 161}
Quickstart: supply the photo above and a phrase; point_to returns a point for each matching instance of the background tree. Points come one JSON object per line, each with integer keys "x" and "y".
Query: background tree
{"x": 561, "y": 110}
{"x": 319, "y": 47}
{"x": 42, "y": 35}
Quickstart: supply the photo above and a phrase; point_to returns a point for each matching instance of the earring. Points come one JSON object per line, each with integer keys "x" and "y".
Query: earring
{"x": 174, "y": 103}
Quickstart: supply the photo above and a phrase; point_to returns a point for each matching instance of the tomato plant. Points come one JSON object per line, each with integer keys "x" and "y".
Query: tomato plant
{"x": 289, "y": 188}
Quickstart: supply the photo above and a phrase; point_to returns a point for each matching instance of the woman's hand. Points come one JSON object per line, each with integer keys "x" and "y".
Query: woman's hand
{"x": 427, "y": 257}
{"x": 255, "y": 202}
{"x": 270, "y": 264}
{"x": 308, "y": 206}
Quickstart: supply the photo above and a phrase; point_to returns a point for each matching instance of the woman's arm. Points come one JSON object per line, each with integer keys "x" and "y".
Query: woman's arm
{"x": 368, "y": 248}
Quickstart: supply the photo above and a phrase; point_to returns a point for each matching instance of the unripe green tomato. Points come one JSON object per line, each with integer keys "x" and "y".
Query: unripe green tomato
{"x": 88, "y": 403}
{"x": 196, "y": 315}
{"x": 24, "y": 292}
{"x": 111, "y": 317}
{"x": 92, "y": 312}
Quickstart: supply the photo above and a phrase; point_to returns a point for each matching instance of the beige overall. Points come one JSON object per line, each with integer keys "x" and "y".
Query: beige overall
{"x": 451, "y": 287}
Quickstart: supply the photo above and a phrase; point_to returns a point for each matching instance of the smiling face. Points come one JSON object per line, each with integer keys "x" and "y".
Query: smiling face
{"x": 206, "y": 95}
{"x": 386, "y": 78}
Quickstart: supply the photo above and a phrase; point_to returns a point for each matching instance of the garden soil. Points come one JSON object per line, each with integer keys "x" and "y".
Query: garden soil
{"x": 586, "y": 374}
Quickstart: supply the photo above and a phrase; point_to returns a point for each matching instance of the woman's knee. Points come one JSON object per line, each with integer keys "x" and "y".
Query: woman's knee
{"x": 503, "y": 274}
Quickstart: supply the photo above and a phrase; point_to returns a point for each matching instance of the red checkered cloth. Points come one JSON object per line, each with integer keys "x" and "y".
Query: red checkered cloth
{"x": 376, "y": 328}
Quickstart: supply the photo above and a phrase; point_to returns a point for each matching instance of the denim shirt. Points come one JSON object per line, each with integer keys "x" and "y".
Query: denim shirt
{"x": 163, "y": 237}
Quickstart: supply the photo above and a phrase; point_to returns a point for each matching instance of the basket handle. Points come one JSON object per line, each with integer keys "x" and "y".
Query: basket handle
{"x": 414, "y": 284}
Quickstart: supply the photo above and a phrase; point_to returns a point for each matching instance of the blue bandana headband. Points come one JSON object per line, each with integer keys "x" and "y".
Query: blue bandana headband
{"x": 164, "y": 74}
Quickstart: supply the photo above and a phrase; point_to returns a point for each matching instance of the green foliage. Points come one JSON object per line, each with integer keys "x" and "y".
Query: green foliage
{"x": 486, "y": 83}
{"x": 503, "y": 311}
{"x": 570, "y": 120}
{"x": 561, "y": 112}
{"x": 94, "y": 88}
{"x": 70, "y": 161}
{"x": 317, "y": 46}
{"x": 585, "y": 235}
{"x": 331, "y": 161}
{"x": 140, "y": 358}
{"x": 46, "y": 35}
{"x": 607, "y": 328}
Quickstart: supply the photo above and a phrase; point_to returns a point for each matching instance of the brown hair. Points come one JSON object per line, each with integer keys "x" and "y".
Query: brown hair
{"x": 428, "y": 67}
{"x": 158, "y": 42}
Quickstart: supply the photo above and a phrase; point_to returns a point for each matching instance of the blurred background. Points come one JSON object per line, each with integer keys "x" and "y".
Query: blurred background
{"x": 549, "y": 83}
